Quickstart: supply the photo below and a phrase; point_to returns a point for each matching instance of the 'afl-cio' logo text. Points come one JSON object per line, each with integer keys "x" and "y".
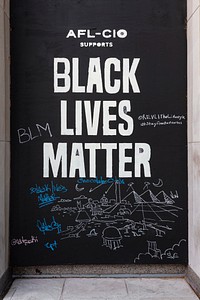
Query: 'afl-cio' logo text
{"x": 91, "y": 34}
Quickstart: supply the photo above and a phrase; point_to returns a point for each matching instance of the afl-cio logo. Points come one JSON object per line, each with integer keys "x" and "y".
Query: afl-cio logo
{"x": 91, "y": 34}
{"x": 122, "y": 33}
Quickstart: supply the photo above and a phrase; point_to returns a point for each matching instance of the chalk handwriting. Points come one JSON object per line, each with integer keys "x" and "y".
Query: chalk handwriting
{"x": 40, "y": 189}
{"x": 100, "y": 180}
{"x": 158, "y": 123}
{"x": 46, "y": 199}
{"x": 64, "y": 200}
{"x": 44, "y": 227}
{"x": 68, "y": 210}
{"x": 155, "y": 120}
{"x": 47, "y": 193}
{"x": 145, "y": 117}
{"x": 51, "y": 246}
{"x": 23, "y": 241}
{"x": 48, "y": 188}
{"x": 27, "y": 135}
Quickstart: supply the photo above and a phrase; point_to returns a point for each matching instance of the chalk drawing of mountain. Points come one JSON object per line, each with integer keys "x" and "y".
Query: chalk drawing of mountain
{"x": 148, "y": 196}
{"x": 164, "y": 198}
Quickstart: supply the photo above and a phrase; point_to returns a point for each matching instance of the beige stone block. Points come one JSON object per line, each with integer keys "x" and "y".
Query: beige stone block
{"x": 190, "y": 181}
{"x": 7, "y": 78}
{"x": 194, "y": 78}
{"x": 36, "y": 289}
{"x": 2, "y": 77}
{"x": 190, "y": 81}
{"x": 107, "y": 288}
{"x": 164, "y": 288}
{"x": 7, "y": 200}
{"x": 194, "y": 211}
{"x": 192, "y": 5}
{"x": 190, "y": 107}
{"x": 7, "y": 7}
{"x": 136, "y": 289}
{"x": 2, "y": 210}
{"x": 191, "y": 248}
{"x": 192, "y": 297}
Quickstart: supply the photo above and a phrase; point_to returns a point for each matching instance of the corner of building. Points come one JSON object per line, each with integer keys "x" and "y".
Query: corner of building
{"x": 5, "y": 270}
{"x": 193, "y": 34}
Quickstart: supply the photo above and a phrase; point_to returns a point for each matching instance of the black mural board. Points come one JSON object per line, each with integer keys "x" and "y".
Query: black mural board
{"x": 90, "y": 212}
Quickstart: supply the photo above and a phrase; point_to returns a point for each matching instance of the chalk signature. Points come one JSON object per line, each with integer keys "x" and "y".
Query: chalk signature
{"x": 44, "y": 227}
{"x": 51, "y": 246}
{"x": 23, "y": 241}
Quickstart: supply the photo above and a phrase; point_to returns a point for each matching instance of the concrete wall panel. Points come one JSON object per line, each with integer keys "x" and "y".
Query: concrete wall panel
{"x": 192, "y": 5}
{"x": 2, "y": 76}
{"x": 194, "y": 211}
{"x": 194, "y": 133}
{"x": 2, "y": 210}
{"x": 4, "y": 143}
{"x": 194, "y": 78}
{"x": 7, "y": 76}
{"x": 7, "y": 7}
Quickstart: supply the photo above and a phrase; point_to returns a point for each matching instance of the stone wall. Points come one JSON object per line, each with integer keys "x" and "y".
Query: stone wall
{"x": 4, "y": 141}
{"x": 193, "y": 27}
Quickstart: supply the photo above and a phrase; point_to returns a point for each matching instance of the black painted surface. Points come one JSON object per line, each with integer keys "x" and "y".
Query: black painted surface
{"x": 108, "y": 223}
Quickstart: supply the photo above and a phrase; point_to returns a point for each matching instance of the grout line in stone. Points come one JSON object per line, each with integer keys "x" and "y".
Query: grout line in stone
{"x": 193, "y": 13}
{"x": 126, "y": 287}
{"x": 14, "y": 290}
{"x": 63, "y": 286}
{"x": 196, "y": 142}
